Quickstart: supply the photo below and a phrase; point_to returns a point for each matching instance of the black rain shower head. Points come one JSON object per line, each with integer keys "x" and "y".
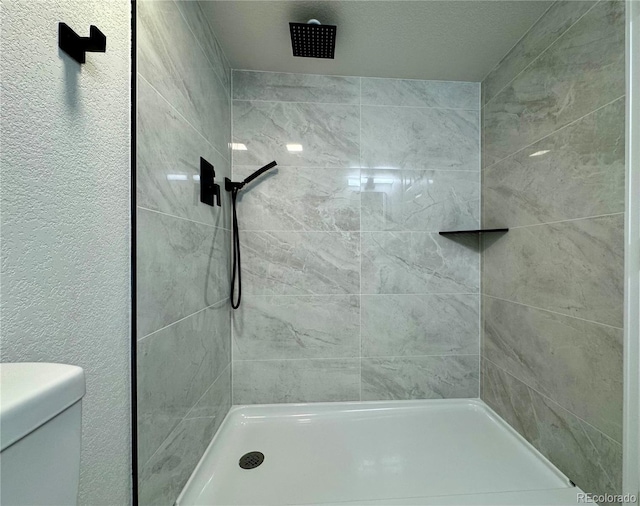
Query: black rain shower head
{"x": 313, "y": 40}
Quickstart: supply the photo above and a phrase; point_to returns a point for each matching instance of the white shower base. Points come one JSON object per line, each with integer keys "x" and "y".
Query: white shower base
{"x": 410, "y": 453}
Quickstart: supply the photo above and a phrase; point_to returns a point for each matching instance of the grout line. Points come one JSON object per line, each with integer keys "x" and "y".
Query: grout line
{"x": 295, "y": 102}
{"x": 355, "y": 358}
{"x": 212, "y": 306}
{"x": 353, "y": 77}
{"x": 554, "y": 132}
{"x": 341, "y": 232}
{"x": 360, "y": 238}
{"x": 338, "y": 295}
{"x": 232, "y": 311}
{"x": 553, "y": 312}
{"x": 226, "y": 158}
{"x": 183, "y": 218}
{"x": 566, "y": 221}
{"x": 351, "y": 104}
{"x": 543, "y": 51}
{"x": 344, "y": 168}
{"x": 480, "y": 244}
{"x": 553, "y": 401}
{"x": 400, "y": 106}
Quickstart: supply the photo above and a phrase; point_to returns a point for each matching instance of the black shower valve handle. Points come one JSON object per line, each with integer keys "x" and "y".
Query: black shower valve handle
{"x": 209, "y": 190}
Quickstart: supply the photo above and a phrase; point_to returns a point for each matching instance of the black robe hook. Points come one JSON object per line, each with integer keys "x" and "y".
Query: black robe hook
{"x": 77, "y": 47}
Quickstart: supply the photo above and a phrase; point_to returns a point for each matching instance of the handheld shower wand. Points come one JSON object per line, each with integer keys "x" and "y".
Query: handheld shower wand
{"x": 234, "y": 188}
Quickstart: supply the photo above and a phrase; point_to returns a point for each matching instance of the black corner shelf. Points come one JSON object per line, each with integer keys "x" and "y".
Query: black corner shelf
{"x": 479, "y": 231}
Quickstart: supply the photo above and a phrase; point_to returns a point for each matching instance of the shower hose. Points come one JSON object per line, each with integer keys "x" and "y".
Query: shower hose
{"x": 236, "y": 272}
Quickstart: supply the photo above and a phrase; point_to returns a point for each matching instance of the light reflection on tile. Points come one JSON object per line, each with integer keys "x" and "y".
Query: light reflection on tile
{"x": 576, "y": 172}
{"x": 581, "y": 72}
{"x": 414, "y": 200}
{"x": 328, "y": 133}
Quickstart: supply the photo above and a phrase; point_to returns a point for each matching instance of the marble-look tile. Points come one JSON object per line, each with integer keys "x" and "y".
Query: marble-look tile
{"x": 574, "y": 268}
{"x": 576, "y": 363}
{"x": 560, "y": 16}
{"x": 582, "y": 71}
{"x": 415, "y": 93}
{"x": 268, "y": 327}
{"x": 417, "y": 262}
{"x": 168, "y": 162}
{"x": 328, "y": 134}
{"x": 581, "y": 172}
{"x": 281, "y": 87}
{"x": 175, "y": 367}
{"x": 197, "y": 15}
{"x": 182, "y": 267}
{"x": 300, "y": 263}
{"x": 162, "y": 478}
{"x": 401, "y": 378}
{"x": 406, "y": 325}
{"x": 283, "y": 381}
{"x": 296, "y": 198}
{"x": 420, "y": 139}
{"x": 417, "y": 200}
{"x": 216, "y": 401}
{"x": 170, "y": 58}
{"x": 592, "y": 460}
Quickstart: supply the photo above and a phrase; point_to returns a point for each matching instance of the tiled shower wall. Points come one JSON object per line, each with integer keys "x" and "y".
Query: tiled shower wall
{"x": 349, "y": 293}
{"x": 553, "y": 171}
{"x": 184, "y": 327}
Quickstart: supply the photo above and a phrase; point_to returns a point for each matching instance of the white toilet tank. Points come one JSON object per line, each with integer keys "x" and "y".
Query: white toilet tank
{"x": 40, "y": 433}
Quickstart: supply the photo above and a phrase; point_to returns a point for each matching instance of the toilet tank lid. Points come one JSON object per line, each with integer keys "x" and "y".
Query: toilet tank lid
{"x": 31, "y": 394}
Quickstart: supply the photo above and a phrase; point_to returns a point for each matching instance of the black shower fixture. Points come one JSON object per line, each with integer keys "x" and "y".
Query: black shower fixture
{"x": 234, "y": 188}
{"x": 77, "y": 47}
{"x": 313, "y": 40}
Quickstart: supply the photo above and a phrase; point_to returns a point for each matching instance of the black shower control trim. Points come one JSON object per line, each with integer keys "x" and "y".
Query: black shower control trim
{"x": 209, "y": 190}
{"x": 77, "y": 47}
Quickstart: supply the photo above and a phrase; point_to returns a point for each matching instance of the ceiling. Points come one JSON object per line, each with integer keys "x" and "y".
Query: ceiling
{"x": 453, "y": 40}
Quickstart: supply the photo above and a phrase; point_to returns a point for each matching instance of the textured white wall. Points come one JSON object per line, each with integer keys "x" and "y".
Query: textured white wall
{"x": 65, "y": 177}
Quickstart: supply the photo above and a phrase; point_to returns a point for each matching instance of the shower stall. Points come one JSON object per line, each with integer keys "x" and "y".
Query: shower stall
{"x": 433, "y": 276}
